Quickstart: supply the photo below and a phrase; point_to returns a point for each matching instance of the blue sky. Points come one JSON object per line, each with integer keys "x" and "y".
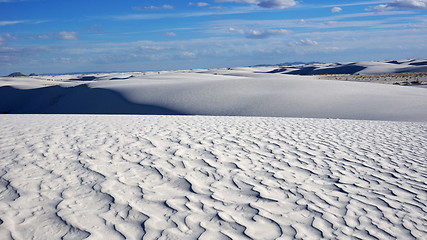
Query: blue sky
{"x": 58, "y": 36}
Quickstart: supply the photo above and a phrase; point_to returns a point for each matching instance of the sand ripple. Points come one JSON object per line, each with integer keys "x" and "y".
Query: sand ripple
{"x": 167, "y": 177}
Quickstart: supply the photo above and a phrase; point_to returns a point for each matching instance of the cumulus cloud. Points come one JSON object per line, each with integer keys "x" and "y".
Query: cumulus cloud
{"x": 403, "y": 4}
{"x": 259, "y": 34}
{"x": 280, "y": 4}
{"x": 336, "y": 9}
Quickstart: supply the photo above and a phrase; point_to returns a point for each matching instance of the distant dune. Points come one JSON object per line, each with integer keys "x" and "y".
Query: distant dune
{"x": 360, "y": 68}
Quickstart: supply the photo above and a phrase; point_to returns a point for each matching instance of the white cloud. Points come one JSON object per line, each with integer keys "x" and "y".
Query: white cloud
{"x": 145, "y": 48}
{"x": 358, "y": 20}
{"x": 9, "y": 36}
{"x": 355, "y": 3}
{"x": 44, "y": 36}
{"x": 189, "y": 54}
{"x": 184, "y": 14}
{"x": 153, "y": 7}
{"x": 280, "y": 4}
{"x": 217, "y": 7}
{"x": 4, "y": 23}
{"x": 59, "y": 35}
{"x": 62, "y": 60}
{"x": 240, "y": 1}
{"x": 67, "y": 35}
{"x": 381, "y": 7}
{"x": 304, "y": 42}
{"x": 172, "y": 34}
{"x": 202, "y": 4}
{"x": 11, "y": 55}
{"x": 199, "y": 4}
{"x": 403, "y": 4}
{"x": 259, "y": 34}
{"x": 336, "y": 9}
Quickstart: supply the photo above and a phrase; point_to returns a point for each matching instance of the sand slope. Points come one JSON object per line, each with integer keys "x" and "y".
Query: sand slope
{"x": 170, "y": 177}
{"x": 221, "y": 92}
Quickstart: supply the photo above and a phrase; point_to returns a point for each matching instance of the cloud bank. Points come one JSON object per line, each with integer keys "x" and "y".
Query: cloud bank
{"x": 403, "y": 4}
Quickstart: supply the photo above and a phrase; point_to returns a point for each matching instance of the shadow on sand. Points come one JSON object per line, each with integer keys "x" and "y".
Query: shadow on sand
{"x": 72, "y": 100}
{"x": 344, "y": 69}
{"x": 310, "y": 70}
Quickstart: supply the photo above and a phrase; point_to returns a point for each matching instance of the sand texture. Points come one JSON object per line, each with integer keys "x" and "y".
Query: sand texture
{"x": 180, "y": 177}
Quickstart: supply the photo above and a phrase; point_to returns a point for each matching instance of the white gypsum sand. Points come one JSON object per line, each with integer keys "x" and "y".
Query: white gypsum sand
{"x": 223, "y": 92}
{"x": 170, "y": 177}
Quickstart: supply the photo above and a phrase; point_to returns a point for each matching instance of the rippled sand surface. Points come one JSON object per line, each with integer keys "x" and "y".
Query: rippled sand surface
{"x": 182, "y": 177}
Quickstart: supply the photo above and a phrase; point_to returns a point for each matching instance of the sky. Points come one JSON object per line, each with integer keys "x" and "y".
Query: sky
{"x": 64, "y": 36}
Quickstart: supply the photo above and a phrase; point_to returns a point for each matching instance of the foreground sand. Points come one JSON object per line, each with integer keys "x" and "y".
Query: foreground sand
{"x": 169, "y": 177}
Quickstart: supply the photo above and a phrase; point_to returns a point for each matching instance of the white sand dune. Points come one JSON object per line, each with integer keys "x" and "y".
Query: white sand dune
{"x": 221, "y": 92}
{"x": 171, "y": 177}
{"x": 362, "y": 68}
{"x": 270, "y": 95}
